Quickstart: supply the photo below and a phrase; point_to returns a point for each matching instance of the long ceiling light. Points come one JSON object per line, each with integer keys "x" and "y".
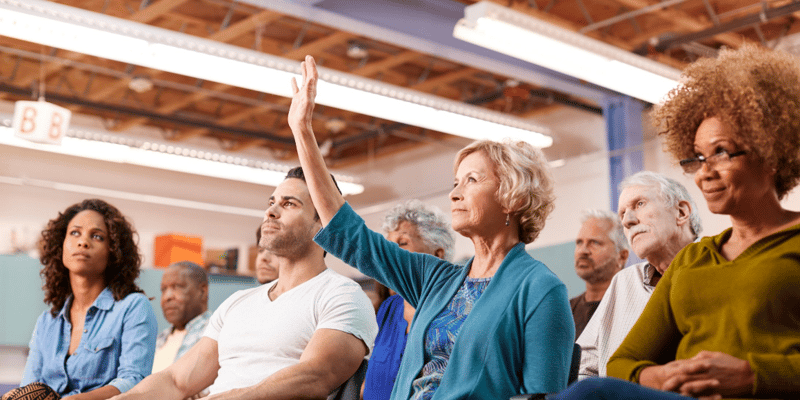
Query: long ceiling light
{"x": 519, "y": 35}
{"x": 116, "y": 39}
{"x": 114, "y": 148}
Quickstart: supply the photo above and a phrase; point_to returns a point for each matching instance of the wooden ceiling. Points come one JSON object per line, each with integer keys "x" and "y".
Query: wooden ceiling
{"x": 127, "y": 96}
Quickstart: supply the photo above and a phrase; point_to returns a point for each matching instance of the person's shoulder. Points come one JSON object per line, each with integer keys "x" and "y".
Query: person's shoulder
{"x": 135, "y": 299}
{"x": 693, "y": 251}
{"x": 630, "y": 272}
{"x": 246, "y": 293}
{"x": 334, "y": 280}
{"x": 45, "y": 317}
{"x": 533, "y": 271}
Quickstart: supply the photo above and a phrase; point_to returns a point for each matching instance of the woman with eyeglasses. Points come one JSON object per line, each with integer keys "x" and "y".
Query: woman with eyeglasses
{"x": 724, "y": 321}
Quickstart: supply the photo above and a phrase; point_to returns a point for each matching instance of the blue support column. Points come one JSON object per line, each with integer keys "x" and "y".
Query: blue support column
{"x": 624, "y": 133}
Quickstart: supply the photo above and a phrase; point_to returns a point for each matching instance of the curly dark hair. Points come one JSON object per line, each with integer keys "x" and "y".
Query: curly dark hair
{"x": 124, "y": 259}
{"x": 755, "y": 91}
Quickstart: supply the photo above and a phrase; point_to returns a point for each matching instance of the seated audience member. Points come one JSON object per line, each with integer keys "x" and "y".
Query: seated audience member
{"x": 184, "y": 302}
{"x": 301, "y": 335}
{"x": 377, "y": 295}
{"x": 97, "y": 339}
{"x": 420, "y": 229}
{"x": 266, "y": 267}
{"x": 495, "y": 327}
{"x": 659, "y": 218}
{"x": 600, "y": 252}
{"x": 724, "y": 319}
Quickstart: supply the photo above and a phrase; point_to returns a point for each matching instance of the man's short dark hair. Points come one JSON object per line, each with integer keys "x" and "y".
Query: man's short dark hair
{"x": 297, "y": 173}
{"x": 195, "y": 272}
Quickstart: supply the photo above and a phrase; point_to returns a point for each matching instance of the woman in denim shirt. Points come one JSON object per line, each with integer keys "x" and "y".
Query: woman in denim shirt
{"x": 98, "y": 338}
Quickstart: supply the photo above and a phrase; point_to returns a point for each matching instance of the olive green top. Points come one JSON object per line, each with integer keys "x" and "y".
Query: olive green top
{"x": 748, "y": 307}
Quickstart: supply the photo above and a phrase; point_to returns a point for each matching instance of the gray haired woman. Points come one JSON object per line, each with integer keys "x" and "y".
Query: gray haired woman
{"x": 420, "y": 229}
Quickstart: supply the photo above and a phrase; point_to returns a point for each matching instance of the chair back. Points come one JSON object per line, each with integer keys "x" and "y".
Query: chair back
{"x": 575, "y": 365}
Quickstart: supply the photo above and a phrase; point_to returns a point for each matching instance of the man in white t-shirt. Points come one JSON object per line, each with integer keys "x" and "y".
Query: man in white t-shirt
{"x": 302, "y": 335}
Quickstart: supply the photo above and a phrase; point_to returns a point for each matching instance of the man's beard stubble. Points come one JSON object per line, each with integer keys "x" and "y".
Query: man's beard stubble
{"x": 286, "y": 243}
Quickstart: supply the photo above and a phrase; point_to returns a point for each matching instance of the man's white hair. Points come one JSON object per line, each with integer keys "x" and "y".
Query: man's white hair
{"x": 671, "y": 191}
{"x": 616, "y": 233}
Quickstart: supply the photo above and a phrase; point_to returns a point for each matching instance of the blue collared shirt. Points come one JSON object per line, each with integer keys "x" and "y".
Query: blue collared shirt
{"x": 116, "y": 347}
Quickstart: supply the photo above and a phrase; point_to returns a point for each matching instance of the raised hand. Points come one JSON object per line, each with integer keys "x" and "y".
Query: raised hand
{"x": 302, "y": 108}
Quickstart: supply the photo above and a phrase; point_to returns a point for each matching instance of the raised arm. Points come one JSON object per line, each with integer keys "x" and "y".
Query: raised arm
{"x": 192, "y": 373}
{"x": 329, "y": 359}
{"x": 324, "y": 194}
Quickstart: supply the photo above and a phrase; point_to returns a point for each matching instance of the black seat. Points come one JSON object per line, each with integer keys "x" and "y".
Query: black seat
{"x": 574, "y": 366}
{"x": 351, "y": 388}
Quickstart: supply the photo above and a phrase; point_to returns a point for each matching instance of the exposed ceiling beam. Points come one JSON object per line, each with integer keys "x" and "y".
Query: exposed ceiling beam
{"x": 682, "y": 20}
{"x": 98, "y": 106}
{"x": 245, "y": 26}
{"x": 387, "y": 63}
{"x": 426, "y": 27}
{"x": 750, "y": 20}
{"x": 318, "y": 45}
{"x": 155, "y": 10}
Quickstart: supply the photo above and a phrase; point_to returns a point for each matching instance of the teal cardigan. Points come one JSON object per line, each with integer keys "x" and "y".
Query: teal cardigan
{"x": 517, "y": 339}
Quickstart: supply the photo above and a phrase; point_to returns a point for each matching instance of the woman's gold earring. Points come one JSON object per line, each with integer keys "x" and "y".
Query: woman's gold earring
{"x": 507, "y": 219}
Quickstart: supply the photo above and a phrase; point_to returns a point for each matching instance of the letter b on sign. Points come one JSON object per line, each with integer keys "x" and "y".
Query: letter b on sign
{"x": 40, "y": 122}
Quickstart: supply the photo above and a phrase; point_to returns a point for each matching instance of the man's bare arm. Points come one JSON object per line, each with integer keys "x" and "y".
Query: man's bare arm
{"x": 329, "y": 359}
{"x": 193, "y": 372}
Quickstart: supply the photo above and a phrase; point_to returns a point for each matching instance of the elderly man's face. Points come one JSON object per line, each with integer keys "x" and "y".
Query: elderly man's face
{"x": 596, "y": 256}
{"x": 648, "y": 221}
{"x": 182, "y": 299}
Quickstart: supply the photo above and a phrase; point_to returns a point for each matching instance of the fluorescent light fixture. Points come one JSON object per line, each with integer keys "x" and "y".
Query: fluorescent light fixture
{"x": 519, "y": 35}
{"x": 116, "y": 39}
{"x": 170, "y": 157}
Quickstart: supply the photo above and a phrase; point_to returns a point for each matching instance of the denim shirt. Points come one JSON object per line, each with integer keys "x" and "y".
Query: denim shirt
{"x": 116, "y": 347}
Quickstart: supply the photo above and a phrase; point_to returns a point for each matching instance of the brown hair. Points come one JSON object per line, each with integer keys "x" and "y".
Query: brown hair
{"x": 526, "y": 186}
{"x": 756, "y": 92}
{"x": 124, "y": 259}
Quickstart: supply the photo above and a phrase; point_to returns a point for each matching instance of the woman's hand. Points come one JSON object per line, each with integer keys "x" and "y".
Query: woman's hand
{"x": 302, "y": 108}
{"x": 729, "y": 376}
{"x": 671, "y": 376}
{"x": 708, "y": 375}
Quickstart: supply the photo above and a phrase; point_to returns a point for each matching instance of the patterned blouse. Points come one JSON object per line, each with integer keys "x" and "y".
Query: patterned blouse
{"x": 442, "y": 335}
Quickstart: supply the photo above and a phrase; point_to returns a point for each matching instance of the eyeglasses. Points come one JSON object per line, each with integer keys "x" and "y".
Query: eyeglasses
{"x": 721, "y": 160}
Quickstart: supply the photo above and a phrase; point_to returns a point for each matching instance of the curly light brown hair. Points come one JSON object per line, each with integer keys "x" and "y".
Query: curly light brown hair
{"x": 526, "y": 185}
{"x": 124, "y": 259}
{"x": 753, "y": 90}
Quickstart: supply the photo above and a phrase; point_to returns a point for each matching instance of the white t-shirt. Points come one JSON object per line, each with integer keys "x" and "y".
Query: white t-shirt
{"x": 257, "y": 337}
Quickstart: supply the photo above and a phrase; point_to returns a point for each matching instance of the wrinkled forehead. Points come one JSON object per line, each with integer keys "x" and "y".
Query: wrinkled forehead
{"x": 177, "y": 273}
{"x": 640, "y": 192}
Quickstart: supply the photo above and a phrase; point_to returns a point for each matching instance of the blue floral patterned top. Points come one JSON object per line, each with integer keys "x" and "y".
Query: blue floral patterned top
{"x": 442, "y": 335}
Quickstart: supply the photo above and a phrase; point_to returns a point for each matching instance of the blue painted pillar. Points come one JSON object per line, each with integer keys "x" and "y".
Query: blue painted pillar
{"x": 624, "y": 133}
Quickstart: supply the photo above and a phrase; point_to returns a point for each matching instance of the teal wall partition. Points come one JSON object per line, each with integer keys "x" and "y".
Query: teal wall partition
{"x": 22, "y": 299}
{"x": 560, "y": 258}
{"x": 21, "y": 296}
